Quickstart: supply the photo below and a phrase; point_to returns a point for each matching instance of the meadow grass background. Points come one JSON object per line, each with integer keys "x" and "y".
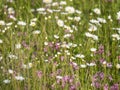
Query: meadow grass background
{"x": 38, "y": 56}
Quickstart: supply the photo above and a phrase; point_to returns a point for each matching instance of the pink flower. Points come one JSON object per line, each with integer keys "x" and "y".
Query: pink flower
{"x": 39, "y": 74}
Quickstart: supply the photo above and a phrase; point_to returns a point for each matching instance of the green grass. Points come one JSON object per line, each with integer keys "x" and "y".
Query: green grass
{"x": 58, "y": 60}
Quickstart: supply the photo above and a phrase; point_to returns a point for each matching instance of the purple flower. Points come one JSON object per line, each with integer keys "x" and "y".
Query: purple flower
{"x": 77, "y": 84}
{"x": 102, "y": 60}
{"x": 45, "y": 49}
{"x": 96, "y": 84}
{"x": 57, "y": 46}
{"x": 105, "y": 87}
{"x": 25, "y": 45}
{"x": 110, "y": 78}
{"x": 114, "y": 87}
{"x": 59, "y": 71}
{"x": 39, "y": 74}
{"x": 74, "y": 65}
{"x": 101, "y": 49}
{"x": 50, "y": 44}
{"x": 72, "y": 87}
{"x": 101, "y": 75}
{"x": 109, "y": 65}
{"x": 66, "y": 79}
{"x": 118, "y": 57}
{"x": 62, "y": 58}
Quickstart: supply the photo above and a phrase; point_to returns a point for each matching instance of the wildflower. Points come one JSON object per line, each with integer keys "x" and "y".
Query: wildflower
{"x": 46, "y": 18}
{"x": 62, "y": 58}
{"x": 116, "y": 36}
{"x": 56, "y": 36}
{"x": 11, "y": 10}
{"x": 6, "y": 81}
{"x": 63, "y": 3}
{"x": 79, "y": 56}
{"x": 110, "y": 78}
{"x": 93, "y": 49}
{"x": 33, "y": 20}
{"x": 88, "y": 34}
{"x": 69, "y": 9}
{"x": 50, "y": 11}
{"x": 12, "y": 17}
{"x": 74, "y": 27}
{"x": 56, "y": 10}
{"x": 73, "y": 58}
{"x": 39, "y": 74}
{"x": 47, "y": 1}
{"x": 29, "y": 65}
{"x": 109, "y": 65}
{"x": 118, "y": 15}
{"x": 45, "y": 43}
{"x": 83, "y": 66}
{"x": 109, "y": 17}
{"x": 77, "y": 19}
{"x": 95, "y": 37}
{"x": 40, "y": 9}
{"x": 19, "y": 78}
{"x": 74, "y": 65}
{"x": 10, "y": 71}
{"x": 114, "y": 87}
{"x": 46, "y": 60}
{"x": 60, "y": 23}
{"x": 100, "y": 50}
{"x": 101, "y": 75}
{"x": 9, "y": 24}
{"x": 67, "y": 27}
{"x": 57, "y": 46}
{"x": 21, "y": 23}
{"x": 78, "y": 12}
{"x": 24, "y": 66}
{"x": 65, "y": 78}
{"x": 91, "y": 64}
{"x": 74, "y": 45}
{"x": 55, "y": 4}
{"x": 116, "y": 29}
{"x": 96, "y": 84}
{"x": 118, "y": 66}
{"x": 104, "y": 62}
{"x": 36, "y": 32}
{"x": 1, "y": 41}
{"x": 101, "y": 20}
{"x": 67, "y": 35}
{"x": 2, "y": 23}
{"x": 92, "y": 28}
{"x": 72, "y": 87}
{"x": 70, "y": 18}
{"x": 1, "y": 58}
{"x": 18, "y": 46}
{"x": 95, "y": 21}
{"x": 32, "y": 24}
{"x": 97, "y": 11}
{"x": 59, "y": 77}
{"x": 11, "y": 56}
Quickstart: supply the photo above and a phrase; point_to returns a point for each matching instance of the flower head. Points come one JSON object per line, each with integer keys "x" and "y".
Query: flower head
{"x": 47, "y": 1}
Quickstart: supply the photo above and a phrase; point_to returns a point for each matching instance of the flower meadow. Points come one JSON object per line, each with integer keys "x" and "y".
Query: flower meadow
{"x": 59, "y": 45}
